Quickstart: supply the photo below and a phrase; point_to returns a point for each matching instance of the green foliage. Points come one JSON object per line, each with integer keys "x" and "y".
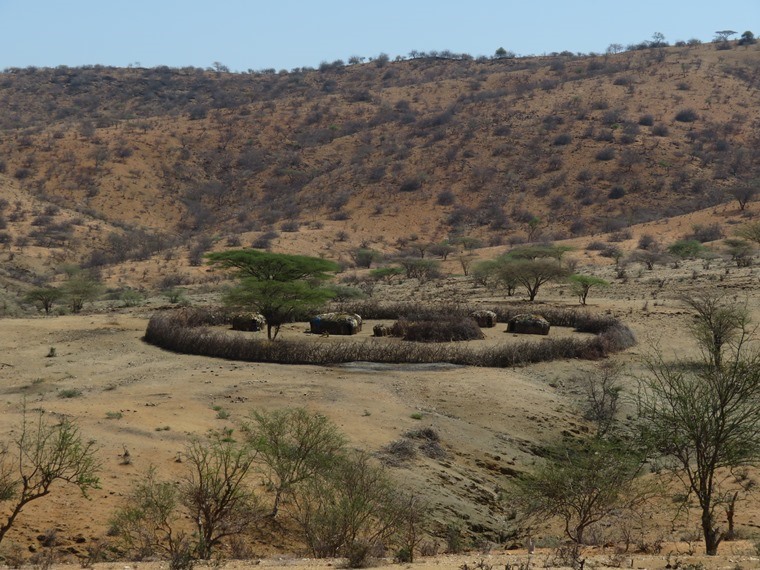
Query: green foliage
{"x": 278, "y": 286}
{"x": 387, "y": 274}
{"x": 41, "y": 455}
{"x": 442, "y": 249}
{"x": 582, "y": 284}
{"x": 174, "y": 294}
{"x": 264, "y": 266}
{"x": 80, "y": 288}
{"x": 45, "y": 297}
{"x": 703, "y": 415}
{"x": 750, "y": 232}
{"x": 747, "y": 39}
{"x": 686, "y": 249}
{"x": 131, "y": 298}
{"x": 215, "y": 491}
{"x": 530, "y": 273}
{"x": 342, "y": 293}
{"x": 294, "y": 445}
{"x": 365, "y": 257}
{"x": 147, "y": 523}
{"x": 349, "y": 510}
{"x": 649, "y": 258}
{"x": 277, "y": 301}
{"x": 581, "y": 483}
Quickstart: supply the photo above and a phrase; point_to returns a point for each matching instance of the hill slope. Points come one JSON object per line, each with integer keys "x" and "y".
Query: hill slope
{"x": 503, "y": 149}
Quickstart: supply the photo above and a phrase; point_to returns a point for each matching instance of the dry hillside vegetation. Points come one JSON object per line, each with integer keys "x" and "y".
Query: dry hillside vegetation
{"x": 375, "y": 154}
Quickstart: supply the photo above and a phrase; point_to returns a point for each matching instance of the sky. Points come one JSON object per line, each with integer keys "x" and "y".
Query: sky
{"x": 285, "y": 34}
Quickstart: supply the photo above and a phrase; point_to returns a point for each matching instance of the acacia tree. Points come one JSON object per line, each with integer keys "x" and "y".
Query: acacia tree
{"x": 215, "y": 490}
{"x": 744, "y": 193}
{"x": 350, "y": 510}
{"x": 80, "y": 287}
{"x": 276, "y": 285}
{"x": 214, "y": 493}
{"x": 581, "y": 483}
{"x": 148, "y": 523}
{"x": 42, "y": 455}
{"x": 530, "y": 266}
{"x": 702, "y": 417}
{"x": 750, "y": 231}
{"x": 294, "y": 445}
{"x": 531, "y": 273}
{"x": 582, "y": 284}
{"x": 46, "y": 297}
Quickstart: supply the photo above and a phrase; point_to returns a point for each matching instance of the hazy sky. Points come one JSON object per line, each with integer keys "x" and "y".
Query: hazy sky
{"x": 283, "y": 34}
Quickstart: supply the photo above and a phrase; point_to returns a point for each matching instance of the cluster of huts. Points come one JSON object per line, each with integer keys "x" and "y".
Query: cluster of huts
{"x": 350, "y": 323}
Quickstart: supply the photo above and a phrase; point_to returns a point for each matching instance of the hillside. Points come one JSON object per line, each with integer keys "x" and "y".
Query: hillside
{"x": 110, "y": 165}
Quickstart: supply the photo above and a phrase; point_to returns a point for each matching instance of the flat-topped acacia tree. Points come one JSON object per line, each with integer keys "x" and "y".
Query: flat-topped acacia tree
{"x": 276, "y": 285}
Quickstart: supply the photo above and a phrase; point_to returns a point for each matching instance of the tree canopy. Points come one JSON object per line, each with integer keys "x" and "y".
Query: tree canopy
{"x": 265, "y": 266}
{"x": 277, "y": 285}
{"x": 702, "y": 418}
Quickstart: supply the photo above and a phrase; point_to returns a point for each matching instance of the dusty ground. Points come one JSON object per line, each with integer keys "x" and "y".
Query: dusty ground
{"x": 130, "y": 396}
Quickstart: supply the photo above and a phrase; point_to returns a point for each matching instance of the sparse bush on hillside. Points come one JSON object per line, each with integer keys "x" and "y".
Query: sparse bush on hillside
{"x": 365, "y": 257}
{"x": 686, "y": 116}
{"x": 410, "y": 185}
{"x": 215, "y": 493}
{"x": 607, "y": 153}
{"x": 702, "y": 233}
{"x": 616, "y": 193}
{"x": 445, "y": 198}
{"x": 686, "y": 249}
{"x": 744, "y": 193}
{"x": 79, "y": 288}
{"x": 421, "y": 269}
{"x": 660, "y": 130}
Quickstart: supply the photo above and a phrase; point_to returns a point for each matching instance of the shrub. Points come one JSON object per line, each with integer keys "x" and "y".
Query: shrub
{"x": 702, "y": 233}
{"x": 616, "y": 193}
{"x": 399, "y": 451}
{"x": 607, "y": 153}
{"x": 660, "y": 130}
{"x": 686, "y": 116}
{"x": 445, "y": 198}
{"x": 563, "y": 139}
{"x": 597, "y": 246}
{"x": 290, "y": 226}
{"x": 646, "y": 120}
{"x": 410, "y": 185}
{"x": 686, "y": 249}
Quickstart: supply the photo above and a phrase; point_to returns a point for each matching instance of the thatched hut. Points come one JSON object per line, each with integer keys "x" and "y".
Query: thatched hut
{"x": 250, "y": 322}
{"x": 336, "y": 323}
{"x": 528, "y": 324}
{"x": 485, "y": 319}
{"x": 382, "y": 330}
